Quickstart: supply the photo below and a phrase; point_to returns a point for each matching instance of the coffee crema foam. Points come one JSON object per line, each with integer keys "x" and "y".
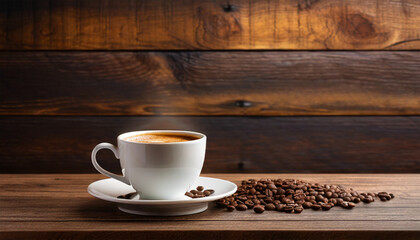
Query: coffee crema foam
{"x": 161, "y": 138}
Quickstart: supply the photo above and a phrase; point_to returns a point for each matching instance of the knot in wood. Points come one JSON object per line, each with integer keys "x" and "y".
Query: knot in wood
{"x": 229, "y": 8}
{"x": 243, "y": 103}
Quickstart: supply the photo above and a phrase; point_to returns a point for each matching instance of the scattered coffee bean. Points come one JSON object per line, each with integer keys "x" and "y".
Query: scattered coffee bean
{"x": 249, "y": 204}
{"x": 127, "y": 196}
{"x": 270, "y": 207}
{"x": 307, "y": 205}
{"x": 200, "y": 188}
{"x": 289, "y": 209}
{"x": 298, "y": 209}
{"x": 258, "y": 209}
{"x": 316, "y": 206}
{"x": 326, "y": 207}
{"x": 221, "y": 204}
{"x": 241, "y": 207}
{"x": 230, "y": 208}
{"x": 280, "y": 207}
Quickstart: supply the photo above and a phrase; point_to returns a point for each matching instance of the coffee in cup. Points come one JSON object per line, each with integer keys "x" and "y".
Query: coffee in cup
{"x": 161, "y": 137}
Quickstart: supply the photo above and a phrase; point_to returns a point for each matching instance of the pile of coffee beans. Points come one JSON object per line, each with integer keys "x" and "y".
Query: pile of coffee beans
{"x": 199, "y": 192}
{"x": 292, "y": 196}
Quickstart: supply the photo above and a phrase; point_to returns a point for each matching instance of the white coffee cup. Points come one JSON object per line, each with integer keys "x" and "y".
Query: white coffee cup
{"x": 160, "y": 171}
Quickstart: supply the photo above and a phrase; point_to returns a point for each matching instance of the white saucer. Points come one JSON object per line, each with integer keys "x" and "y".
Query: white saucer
{"x": 109, "y": 189}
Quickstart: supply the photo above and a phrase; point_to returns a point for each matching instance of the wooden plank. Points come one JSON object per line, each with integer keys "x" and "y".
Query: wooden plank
{"x": 197, "y": 24}
{"x": 81, "y": 216}
{"x": 210, "y": 83}
{"x": 231, "y": 235}
{"x": 235, "y": 144}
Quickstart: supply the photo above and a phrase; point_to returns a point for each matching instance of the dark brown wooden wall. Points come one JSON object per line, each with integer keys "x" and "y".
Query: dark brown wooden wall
{"x": 245, "y": 73}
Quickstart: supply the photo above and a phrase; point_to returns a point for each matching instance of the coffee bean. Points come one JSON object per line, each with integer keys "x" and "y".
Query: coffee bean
{"x": 289, "y": 209}
{"x": 189, "y": 194}
{"x": 280, "y": 207}
{"x": 391, "y": 195}
{"x": 241, "y": 207}
{"x": 316, "y": 206}
{"x": 200, "y": 188}
{"x": 242, "y": 198}
{"x": 258, "y": 209}
{"x": 351, "y": 205}
{"x": 281, "y": 191}
{"x": 270, "y": 207}
{"x": 210, "y": 190}
{"x": 307, "y": 205}
{"x": 127, "y": 196}
{"x": 345, "y": 204}
{"x": 194, "y": 191}
{"x": 298, "y": 209}
{"x": 356, "y": 200}
{"x": 326, "y": 207}
{"x": 230, "y": 208}
{"x": 328, "y": 194}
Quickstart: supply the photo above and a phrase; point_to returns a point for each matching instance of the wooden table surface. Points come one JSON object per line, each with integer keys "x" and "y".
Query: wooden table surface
{"x": 56, "y": 206}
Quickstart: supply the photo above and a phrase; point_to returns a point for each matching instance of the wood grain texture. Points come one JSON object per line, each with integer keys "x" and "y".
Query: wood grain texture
{"x": 210, "y": 83}
{"x": 58, "y": 206}
{"x": 235, "y": 144}
{"x": 197, "y": 24}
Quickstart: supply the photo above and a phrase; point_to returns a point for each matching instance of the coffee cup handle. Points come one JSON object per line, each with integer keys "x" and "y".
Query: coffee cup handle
{"x": 103, "y": 171}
